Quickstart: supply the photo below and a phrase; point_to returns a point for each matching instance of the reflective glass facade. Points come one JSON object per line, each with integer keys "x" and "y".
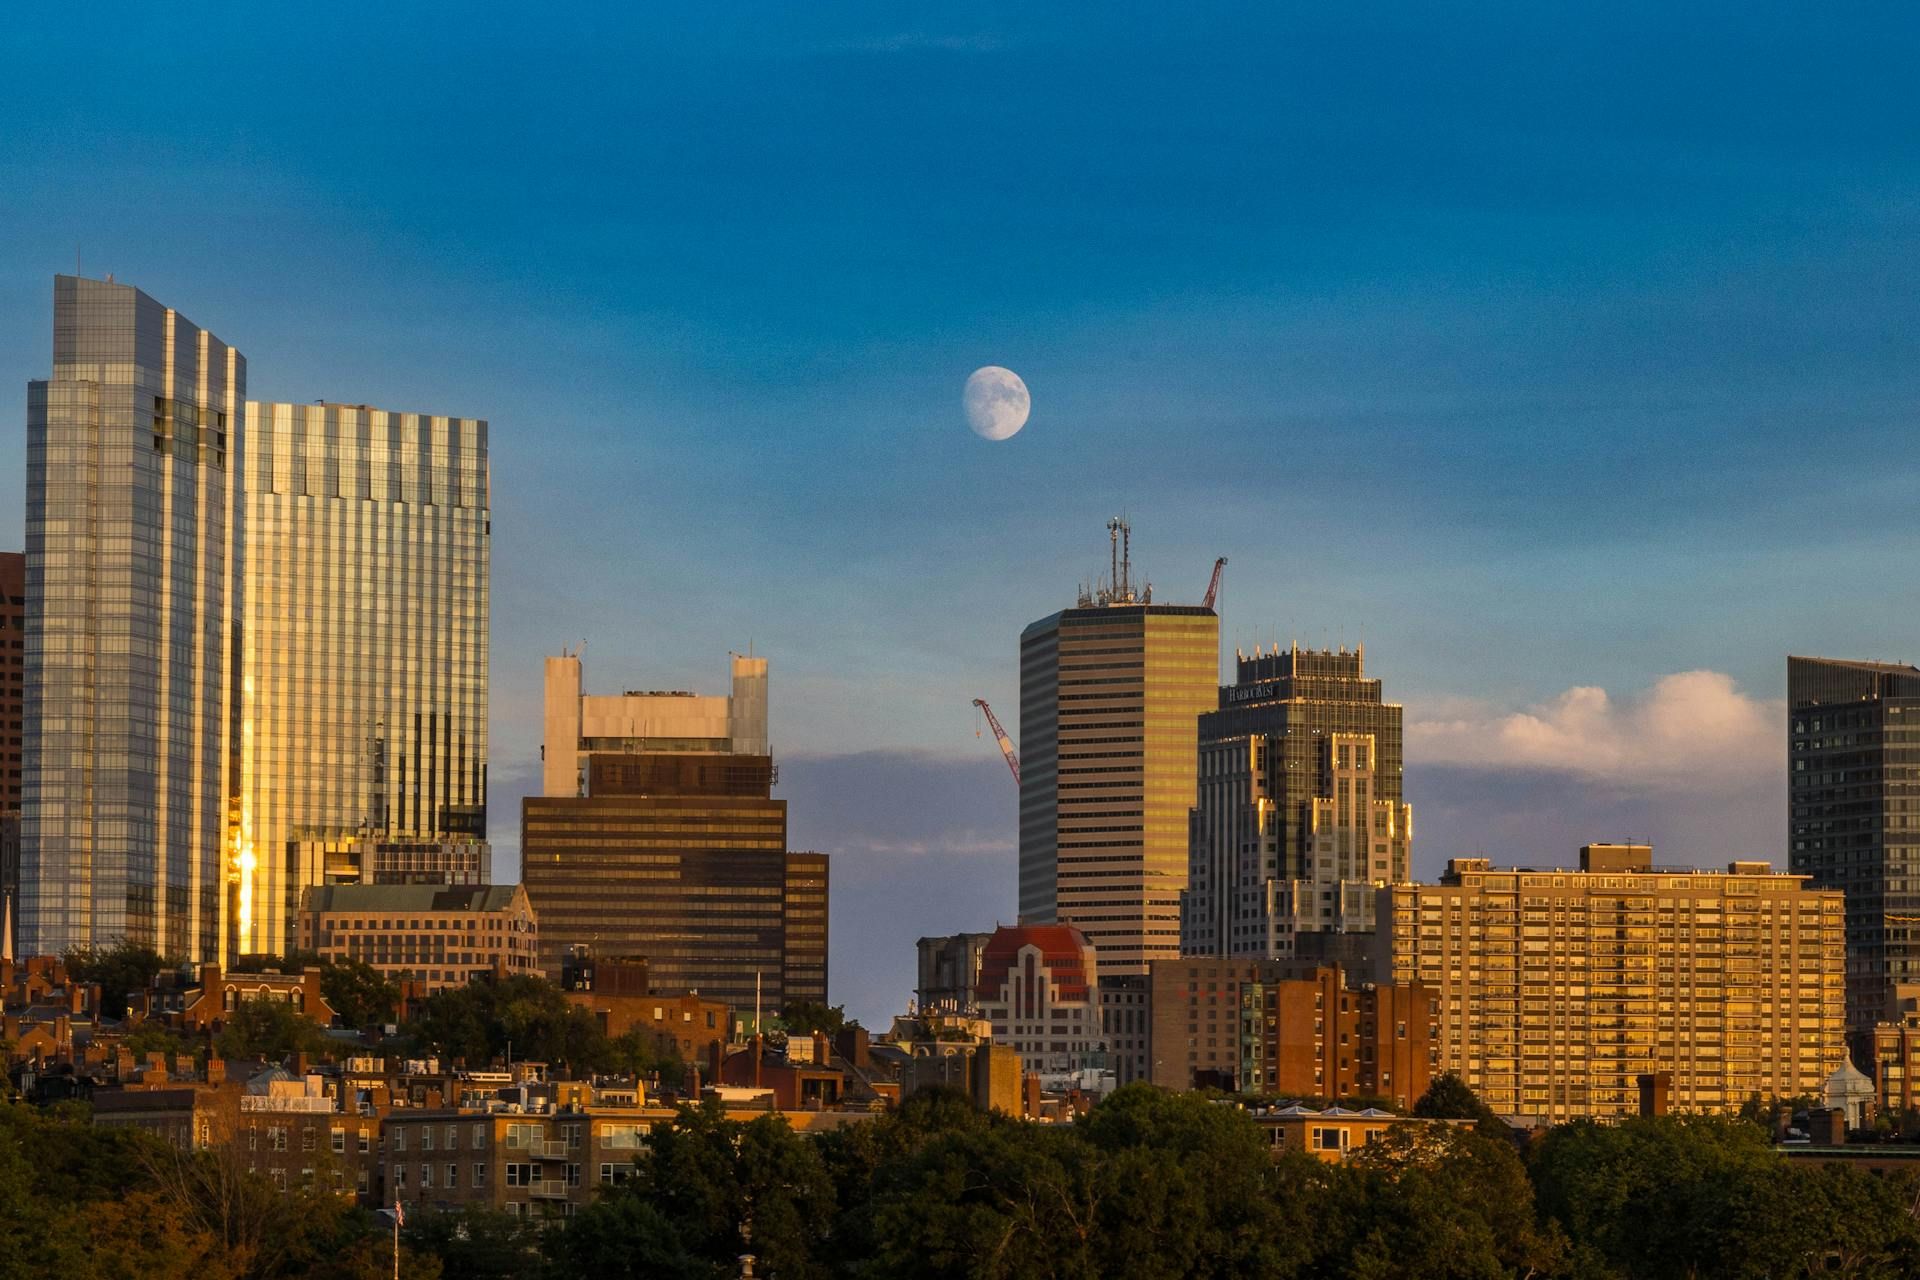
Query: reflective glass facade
{"x": 1110, "y": 701}
{"x": 1853, "y": 796}
{"x": 363, "y": 644}
{"x": 133, "y": 454}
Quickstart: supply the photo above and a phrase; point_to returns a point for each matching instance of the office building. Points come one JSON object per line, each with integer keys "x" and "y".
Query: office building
{"x": 1854, "y": 819}
{"x": 1126, "y": 1023}
{"x": 13, "y": 675}
{"x": 1290, "y": 1028}
{"x": 1558, "y": 989}
{"x": 1038, "y": 989}
{"x": 1110, "y": 697}
{"x": 133, "y": 466}
{"x": 436, "y": 936}
{"x": 662, "y": 839}
{"x": 949, "y": 972}
{"x": 580, "y": 725}
{"x": 363, "y": 645}
{"x": 371, "y": 859}
{"x": 1298, "y": 818}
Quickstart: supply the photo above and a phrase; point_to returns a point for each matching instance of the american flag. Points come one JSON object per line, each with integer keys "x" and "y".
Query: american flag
{"x": 399, "y": 1214}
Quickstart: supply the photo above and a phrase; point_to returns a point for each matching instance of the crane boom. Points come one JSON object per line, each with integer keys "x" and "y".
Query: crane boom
{"x": 1000, "y": 736}
{"x": 1213, "y": 586}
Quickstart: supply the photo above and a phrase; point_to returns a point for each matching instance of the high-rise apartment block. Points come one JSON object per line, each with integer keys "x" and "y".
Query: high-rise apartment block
{"x": 363, "y": 648}
{"x": 660, "y": 838}
{"x": 1298, "y": 818}
{"x": 133, "y": 462}
{"x": 1854, "y": 819}
{"x": 1559, "y": 989}
{"x": 1110, "y": 696}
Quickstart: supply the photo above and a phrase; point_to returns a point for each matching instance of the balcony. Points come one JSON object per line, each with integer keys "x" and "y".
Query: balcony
{"x": 548, "y": 1190}
{"x": 550, "y": 1151}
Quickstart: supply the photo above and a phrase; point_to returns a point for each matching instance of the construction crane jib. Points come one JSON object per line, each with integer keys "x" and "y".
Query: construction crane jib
{"x": 1213, "y": 586}
{"x": 1000, "y": 736}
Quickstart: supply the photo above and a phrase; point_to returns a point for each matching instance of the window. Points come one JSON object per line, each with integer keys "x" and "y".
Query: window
{"x": 277, "y": 1137}
{"x": 399, "y": 1177}
{"x": 309, "y": 1139}
{"x": 480, "y": 1137}
{"x": 399, "y": 1139}
{"x": 479, "y": 1177}
{"x": 453, "y": 1175}
{"x": 426, "y": 1175}
{"x": 606, "y": 1173}
{"x": 366, "y": 1142}
{"x": 426, "y": 1137}
{"x": 453, "y": 1138}
{"x": 339, "y": 1142}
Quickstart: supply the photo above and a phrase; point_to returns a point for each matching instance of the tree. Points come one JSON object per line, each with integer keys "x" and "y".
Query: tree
{"x": 262, "y": 1027}
{"x": 1449, "y": 1097}
{"x": 120, "y": 969}
{"x": 715, "y": 1179}
{"x": 481, "y": 1021}
{"x": 476, "y": 1243}
{"x": 364, "y": 997}
{"x": 804, "y": 1017}
{"x": 620, "y": 1237}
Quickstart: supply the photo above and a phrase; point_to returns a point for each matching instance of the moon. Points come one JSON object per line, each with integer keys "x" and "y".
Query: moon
{"x": 997, "y": 402}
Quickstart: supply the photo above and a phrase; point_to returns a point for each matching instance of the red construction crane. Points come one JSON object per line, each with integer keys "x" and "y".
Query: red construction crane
{"x": 1213, "y": 587}
{"x": 1000, "y": 736}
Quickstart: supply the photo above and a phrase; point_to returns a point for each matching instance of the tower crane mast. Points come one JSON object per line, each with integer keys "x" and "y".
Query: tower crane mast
{"x": 1000, "y": 736}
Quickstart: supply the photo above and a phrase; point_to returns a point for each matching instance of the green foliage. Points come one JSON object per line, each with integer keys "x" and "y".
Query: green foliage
{"x": 262, "y": 1027}
{"x": 1450, "y": 1098}
{"x": 804, "y": 1017}
{"x": 480, "y": 1022}
{"x": 154, "y": 1037}
{"x": 360, "y": 994}
{"x": 475, "y": 1243}
{"x": 120, "y": 969}
{"x": 1693, "y": 1196}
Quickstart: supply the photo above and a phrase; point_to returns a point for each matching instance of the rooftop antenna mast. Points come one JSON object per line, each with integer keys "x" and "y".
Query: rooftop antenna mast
{"x": 1120, "y": 545}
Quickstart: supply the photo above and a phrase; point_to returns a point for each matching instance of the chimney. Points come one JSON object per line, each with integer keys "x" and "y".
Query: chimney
{"x": 76, "y": 998}
{"x": 216, "y": 1071}
{"x": 300, "y": 1066}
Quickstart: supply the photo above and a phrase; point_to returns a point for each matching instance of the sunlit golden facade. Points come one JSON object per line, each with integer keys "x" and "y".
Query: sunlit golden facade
{"x": 132, "y": 462}
{"x": 1110, "y": 701}
{"x": 1558, "y": 989}
{"x": 364, "y": 644}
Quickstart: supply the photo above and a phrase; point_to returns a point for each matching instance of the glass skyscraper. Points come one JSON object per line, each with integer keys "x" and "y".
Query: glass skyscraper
{"x": 132, "y": 461}
{"x": 1853, "y": 797}
{"x": 363, "y": 646}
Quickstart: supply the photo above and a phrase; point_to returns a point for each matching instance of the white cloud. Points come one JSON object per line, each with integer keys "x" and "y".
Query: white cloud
{"x": 1692, "y": 731}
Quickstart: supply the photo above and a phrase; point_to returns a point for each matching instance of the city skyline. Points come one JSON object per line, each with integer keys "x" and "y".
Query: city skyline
{"x": 1585, "y": 370}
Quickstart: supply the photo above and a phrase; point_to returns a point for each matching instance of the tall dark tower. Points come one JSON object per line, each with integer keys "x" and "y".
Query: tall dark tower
{"x": 1853, "y": 796}
{"x": 1299, "y": 818}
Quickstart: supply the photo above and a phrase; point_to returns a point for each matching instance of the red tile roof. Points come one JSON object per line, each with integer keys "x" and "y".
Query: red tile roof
{"x": 1063, "y": 949}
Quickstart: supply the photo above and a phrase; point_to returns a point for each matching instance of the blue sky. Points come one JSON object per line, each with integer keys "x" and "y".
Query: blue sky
{"x": 1543, "y": 351}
